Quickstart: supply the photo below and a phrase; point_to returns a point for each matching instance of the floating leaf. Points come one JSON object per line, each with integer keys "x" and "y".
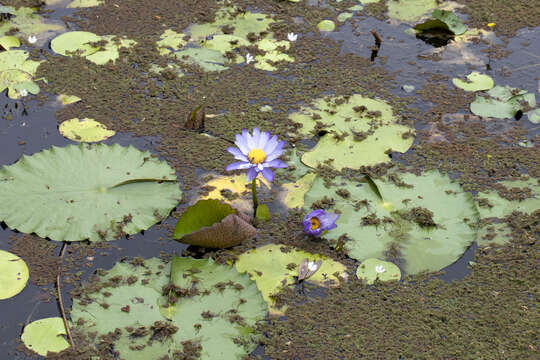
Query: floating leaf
{"x": 534, "y": 116}
{"x": 359, "y": 132}
{"x": 13, "y": 274}
{"x": 426, "y": 220}
{"x": 95, "y": 192}
{"x": 68, "y": 99}
{"x": 211, "y": 223}
{"x": 445, "y": 20}
{"x": 492, "y": 206}
{"x": 295, "y": 192}
{"x": 326, "y": 25}
{"x": 84, "y": 3}
{"x": 273, "y": 268}
{"x": 26, "y": 22}
{"x": 45, "y": 335}
{"x": 8, "y": 42}
{"x": 374, "y": 269}
{"x": 409, "y": 10}
{"x": 85, "y": 130}
{"x": 15, "y": 81}
{"x": 344, "y": 16}
{"x": 475, "y": 82}
{"x": 215, "y": 308}
{"x": 503, "y": 102}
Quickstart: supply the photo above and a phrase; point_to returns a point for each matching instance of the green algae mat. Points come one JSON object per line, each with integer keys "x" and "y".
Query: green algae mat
{"x": 264, "y": 179}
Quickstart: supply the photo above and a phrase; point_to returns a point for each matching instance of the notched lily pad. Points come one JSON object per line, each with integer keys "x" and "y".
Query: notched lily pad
{"x": 442, "y": 20}
{"x": 502, "y": 102}
{"x": 95, "y": 192}
{"x": 213, "y": 224}
{"x": 45, "y": 335}
{"x": 475, "y": 82}
{"x": 13, "y": 274}
{"x": 273, "y": 268}
{"x": 374, "y": 269}
{"x": 85, "y": 130}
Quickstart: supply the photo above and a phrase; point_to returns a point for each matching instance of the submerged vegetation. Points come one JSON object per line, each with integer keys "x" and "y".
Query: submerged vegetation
{"x": 386, "y": 147}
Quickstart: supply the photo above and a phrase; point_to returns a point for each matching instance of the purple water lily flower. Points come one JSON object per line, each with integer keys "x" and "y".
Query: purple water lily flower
{"x": 257, "y": 153}
{"x": 318, "y": 221}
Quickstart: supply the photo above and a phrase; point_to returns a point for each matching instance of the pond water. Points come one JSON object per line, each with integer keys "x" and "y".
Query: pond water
{"x": 433, "y": 177}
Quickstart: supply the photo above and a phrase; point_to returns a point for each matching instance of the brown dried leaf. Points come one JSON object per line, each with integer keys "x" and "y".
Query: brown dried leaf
{"x": 230, "y": 231}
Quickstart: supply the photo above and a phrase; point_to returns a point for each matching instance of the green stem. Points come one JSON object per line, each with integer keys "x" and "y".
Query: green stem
{"x": 254, "y": 194}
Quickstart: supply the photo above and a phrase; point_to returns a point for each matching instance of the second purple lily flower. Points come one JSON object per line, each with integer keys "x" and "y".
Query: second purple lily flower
{"x": 318, "y": 221}
{"x": 257, "y": 154}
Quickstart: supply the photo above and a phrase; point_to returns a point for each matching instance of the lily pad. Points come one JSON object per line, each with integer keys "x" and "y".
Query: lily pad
{"x": 425, "y": 221}
{"x": 443, "y": 19}
{"x": 503, "y": 102}
{"x": 534, "y": 116}
{"x": 7, "y": 42}
{"x": 359, "y": 132}
{"x": 16, "y": 80}
{"x": 188, "y": 306}
{"x": 84, "y": 3}
{"x": 13, "y": 274}
{"x": 26, "y": 22}
{"x": 45, "y": 335}
{"x": 295, "y": 192}
{"x": 475, "y": 82}
{"x": 207, "y": 59}
{"x": 85, "y": 130}
{"x": 84, "y": 43}
{"x": 273, "y": 268}
{"x": 211, "y": 223}
{"x": 326, "y": 25}
{"x": 410, "y": 10}
{"x": 374, "y": 269}
{"x": 68, "y": 99}
{"x": 496, "y": 208}
{"x": 95, "y": 192}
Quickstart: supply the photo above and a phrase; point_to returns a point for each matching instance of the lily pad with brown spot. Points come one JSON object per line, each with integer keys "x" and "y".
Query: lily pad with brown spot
{"x": 85, "y": 130}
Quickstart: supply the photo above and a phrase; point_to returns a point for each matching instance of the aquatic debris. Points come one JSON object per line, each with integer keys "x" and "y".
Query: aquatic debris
{"x": 13, "y": 274}
{"x": 427, "y": 222}
{"x": 372, "y": 269}
{"x": 249, "y": 58}
{"x": 307, "y": 269}
{"x": 213, "y": 224}
{"x": 84, "y": 130}
{"x": 45, "y": 335}
{"x": 292, "y": 36}
{"x": 274, "y": 266}
{"x": 318, "y": 222}
{"x": 155, "y": 309}
{"x": 95, "y": 192}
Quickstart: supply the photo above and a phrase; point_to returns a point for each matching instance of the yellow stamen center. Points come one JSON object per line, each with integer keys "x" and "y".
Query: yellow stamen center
{"x": 256, "y": 156}
{"x": 315, "y": 223}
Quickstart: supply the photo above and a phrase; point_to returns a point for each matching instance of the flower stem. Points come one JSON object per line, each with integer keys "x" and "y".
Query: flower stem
{"x": 254, "y": 195}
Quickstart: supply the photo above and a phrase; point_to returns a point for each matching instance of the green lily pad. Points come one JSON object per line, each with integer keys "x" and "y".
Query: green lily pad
{"x": 425, "y": 221}
{"x": 17, "y": 59}
{"x": 84, "y": 3}
{"x": 80, "y": 42}
{"x": 68, "y": 99}
{"x": 211, "y": 223}
{"x": 26, "y": 22}
{"x": 7, "y": 42}
{"x": 13, "y": 274}
{"x": 503, "y": 102}
{"x": 475, "y": 82}
{"x": 45, "y": 335}
{"x": 273, "y": 268}
{"x": 534, "y": 116}
{"x": 344, "y": 16}
{"x": 374, "y": 269}
{"x": 95, "y": 192}
{"x": 326, "y": 25}
{"x": 360, "y": 132}
{"x": 295, "y": 192}
{"x": 263, "y": 213}
{"x": 171, "y": 309}
{"x": 170, "y": 41}
{"x": 207, "y": 59}
{"x": 443, "y": 19}
{"x": 410, "y": 10}
{"x": 16, "y": 80}
{"x": 492, "y": 206}
{"x": 85, "y": 130}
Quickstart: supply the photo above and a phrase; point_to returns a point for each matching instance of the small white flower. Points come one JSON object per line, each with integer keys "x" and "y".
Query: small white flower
{"x": 312, "y": 266}
{"x": 249, "y": 58}
{"x": 379, "y": 269}
{"x": 292, "y": 36}
{"x": 32, "y": 39}
{"x": 23, "y": 92}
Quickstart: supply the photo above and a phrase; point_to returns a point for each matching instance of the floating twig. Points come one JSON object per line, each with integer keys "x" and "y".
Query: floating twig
{"x": 60, "y": 302}
{"x": 375, "y": 49}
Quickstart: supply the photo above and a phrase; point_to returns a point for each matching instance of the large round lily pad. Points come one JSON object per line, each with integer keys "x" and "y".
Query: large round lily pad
{"x": 95, "y": 192}
{"x": 13, "y": 274}
{"x": 359, "y": 132}
{"x": 45, "y": 335}
{"x": 188, "y": 308}
{"x": 273, "y": 269}
{"x": 425, "y": 221}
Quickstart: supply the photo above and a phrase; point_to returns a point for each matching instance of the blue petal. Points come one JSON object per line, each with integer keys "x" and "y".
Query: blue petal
{"x": 328, "y": 220}
{"x": 238, "y": 166}
{"x": 276, "y": 163}
{"x": 249, "y": 139}
{"x": 277, "y": 152}
{"x": 268, "y": 174}
{"x": 263, "y": 139}
{"x": 252, "y": 174}
{"x": 241, "y": 142}
{"x": 238, "y": 155}
{"x": 314, "y": 213}
{"x": 271, "y": 145}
